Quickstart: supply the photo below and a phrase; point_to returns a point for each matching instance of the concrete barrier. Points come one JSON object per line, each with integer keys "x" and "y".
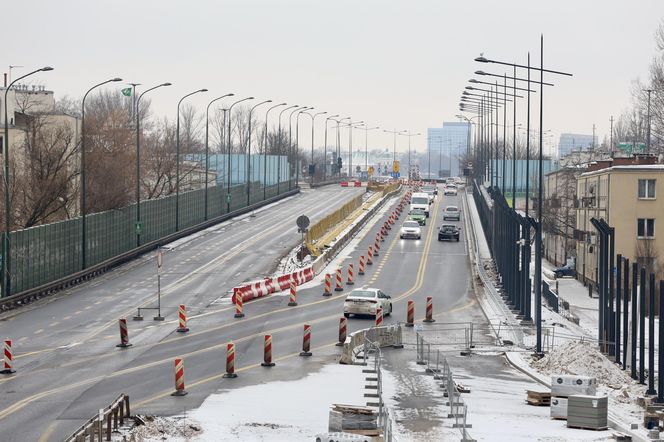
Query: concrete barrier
{"x": 385, "y": 336}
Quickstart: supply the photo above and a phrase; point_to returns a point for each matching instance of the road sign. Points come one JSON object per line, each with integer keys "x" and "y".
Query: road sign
{"x": 302, "y": 222}
{"x": 395, "y": 166}
{"x": 371, "y": 170}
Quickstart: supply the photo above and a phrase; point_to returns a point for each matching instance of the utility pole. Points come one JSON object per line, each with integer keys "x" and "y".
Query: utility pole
{"x": 592, "y": 143}
{"x": 649, "y": 91}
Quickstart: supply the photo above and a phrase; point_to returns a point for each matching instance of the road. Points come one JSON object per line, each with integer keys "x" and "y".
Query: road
{"x": 55, "y": 389}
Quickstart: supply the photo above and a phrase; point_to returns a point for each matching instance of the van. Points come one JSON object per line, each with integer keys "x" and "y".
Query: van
{"x": 420, "y": 200}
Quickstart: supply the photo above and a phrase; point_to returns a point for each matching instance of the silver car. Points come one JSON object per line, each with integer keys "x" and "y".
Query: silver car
{"x": 365, "y": 301}
{"x": 452, "y": 213}
{"x": 410, "y": 229}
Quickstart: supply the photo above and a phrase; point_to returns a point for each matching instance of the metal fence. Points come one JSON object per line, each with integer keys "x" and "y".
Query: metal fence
{"x": 550, "y": 297}
{"x": 46, "y": 253}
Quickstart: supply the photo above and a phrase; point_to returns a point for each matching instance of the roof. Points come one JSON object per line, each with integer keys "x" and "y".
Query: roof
{"x": 628, "y": 168}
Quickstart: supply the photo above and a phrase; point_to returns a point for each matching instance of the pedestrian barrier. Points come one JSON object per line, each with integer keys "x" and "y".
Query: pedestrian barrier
{"x": 328, "y": 285}
{"x": 182, "y": 319}
{"x": 124, "y": 334}
{"x": 350, "y": 275}
{"x": 306, "y": 341}
{"x": 410, "y": 315}
{"x": 106, "y": 421}
{"x": 267, "y": 352}
{"x": 179, "y": 378}
{"x": 8, "y": 369}
{"x": 230, "y": 361}
{"x": 429, "y": 311}
{"x": 342, "y": 331}
{"x": 361, "y": 270}
{"x": 292, "y": 302}
{"x": 339, "y": 284}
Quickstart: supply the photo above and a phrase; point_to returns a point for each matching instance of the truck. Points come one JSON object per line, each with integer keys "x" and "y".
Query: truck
{"x": 420, "y": 200}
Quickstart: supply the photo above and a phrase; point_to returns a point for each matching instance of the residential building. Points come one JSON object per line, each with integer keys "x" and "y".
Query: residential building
{"x": 574, "y": 142}
{"x": 448, "y": 145}
{"x": 626, "y": 193}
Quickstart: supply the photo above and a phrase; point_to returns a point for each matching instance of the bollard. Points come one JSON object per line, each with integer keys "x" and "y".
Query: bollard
{"x": 239, "y": 305}
{"x": 342, "y": 332}
{"x": 8, "y": 358}
{"x": 267, "y": 352}
{"x": 370, "y": 256}
{"x": 179, "y": 378}
{"x": 230, "y": 361}
{"x": 376, "y": 247}
{"x": 361, "y": 271}
{"x": 382, "y": 236}
{"x": 124, "y": 334}
{"x": 328, "y": 285}
{"x": 387, "y": 226}
{"x": 429, "y": 312}
{"x": 182, "y": 317}
{"x": 350, "y": 275}
{"x": 410, "y": 315}
{"x": 339, "y": 284}
{"x": 306, "y": 341}
{"x": 379, "y": 317}
{"x": 293, "y": 293}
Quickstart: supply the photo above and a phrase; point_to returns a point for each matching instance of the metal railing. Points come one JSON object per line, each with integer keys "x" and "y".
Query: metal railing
{"x": 107, "y": 420}
{"x": 373, "y": 347}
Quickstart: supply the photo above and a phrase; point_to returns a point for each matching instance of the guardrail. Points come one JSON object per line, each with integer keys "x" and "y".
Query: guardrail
{"x": 71, "y": 280}
{"x": 107, "y": 420}
{"x": 550, "y": 297}
{"x": 356, "y": 342}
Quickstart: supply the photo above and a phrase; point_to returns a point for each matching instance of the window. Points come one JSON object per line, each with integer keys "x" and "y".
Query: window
{"x": 645, "y": 228}
{"x": 646, "y": 188}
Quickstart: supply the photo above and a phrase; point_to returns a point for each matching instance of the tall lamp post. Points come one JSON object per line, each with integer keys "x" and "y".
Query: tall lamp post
{"x": 251, "y": 111}
{"x": 290, "y": 143}
{"x": 409, "y": 135}
{"x": 137, "y": 227}
{"x": 331, "y": 117}
{"x": 207, "y": 149}
{"x": 366, "y": 146}
{"x": 297, "y": 144}
{"x": 83, "y": 209}
{"x": 394, "y": 150}
{"x": 228, "y": 148}
{"x": 351, "y": 126}
{"x": 281, "y": 146}
{"x": 265, "y": 138}
{"x": 177, "y": 161}
{"x": 312, "y": 167}
{"x": 338, "y": 154}
{"x": 6, "y": 280}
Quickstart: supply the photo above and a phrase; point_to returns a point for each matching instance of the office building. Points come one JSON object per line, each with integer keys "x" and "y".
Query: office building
{"x": 446, "y": 146}
{"x": 575, "y": 142}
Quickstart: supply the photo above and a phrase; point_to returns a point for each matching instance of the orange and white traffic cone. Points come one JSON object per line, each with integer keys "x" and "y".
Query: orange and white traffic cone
{"x": 370, "y": 256}
{"x": 8, "y": 369}
{"x": 182, "y": 319}
{"x": 267, "y": 352}
{"x": 339, "y": 283}
{"x": 124, "y": 334}
{"x": 376, "y": 247}
{"x": 306, "y": 341}
{"x": 410, "y": 315}
{"x": 342, "y": 332}
{"x": 328, "y": 285}
{"x": 239, "y": 305}
{"x": 361, "y": 270}
{"x": 230, "y": 361}
{"x": 350, "y": 275}
{"x": 429, "y": 312}
{"x": 379, "y": 317}
{"x": 179, "y": 378}
{"x": 293, "y": 293}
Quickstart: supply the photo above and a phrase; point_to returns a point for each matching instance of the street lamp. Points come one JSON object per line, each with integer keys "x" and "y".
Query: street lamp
{"x": 265, "y": 138}
{"x": 290, "y": 143}
{"x": 351, "y": 126}
{"x": 281, "y": 146}
{"x": 6, "y": 280}
{"x": 249, "y": 152}
{"x": 331, "y": 117}
{"x": 177, "y": 162}
{"x": 137, "y": 227}
{"x": 312, "y": 167}
{"x": 394, "y": 149}
{"x": 338, "y": 153}
{"x": 366, "y": 146}
{"x": 228, "y": 147}
{"x": 83, "y": 209}
{"x": 207, "y": 149}
{"x": 297, "y": 144}
{"x": 409, "y": 135}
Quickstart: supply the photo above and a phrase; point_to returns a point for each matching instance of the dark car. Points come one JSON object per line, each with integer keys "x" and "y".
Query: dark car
{"x": 448, "y": 232}
{"x": 564, "y": 271}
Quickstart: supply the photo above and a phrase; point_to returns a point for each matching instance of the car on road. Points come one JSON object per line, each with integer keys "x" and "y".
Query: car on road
{"x": 450, "y": 190}
{"x": 410, "y": 229}
{"x": 365, "y": 301}
{"x": 420, "y": 200}
{"x": 566, "y": 270}
{"x": 419, "y": 216}
{"x": 430, "y": 189}
{"x": 452, "y": 213}
{"x": 448, "y": 232}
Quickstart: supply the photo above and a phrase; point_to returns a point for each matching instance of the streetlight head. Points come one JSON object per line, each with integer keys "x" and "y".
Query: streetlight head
{"x": 470, "y": 88}
{"x": 465, "y": 93}
{"x": 166, "y": 84}
{"x": 117, "y": 79}
{"x": 249, "y": 98}
{"x": 481, "y": 59}
{"x": 480, "y": 73}
{"x": 203, "y": 90}
{"x": 46, "y": 68}
{"x": 472, "y": 80}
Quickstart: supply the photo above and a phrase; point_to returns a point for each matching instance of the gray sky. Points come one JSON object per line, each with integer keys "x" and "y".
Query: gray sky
{"x": 396, "y": 64}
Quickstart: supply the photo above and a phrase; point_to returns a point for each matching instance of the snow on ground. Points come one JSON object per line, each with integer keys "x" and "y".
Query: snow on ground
{"x": 288, "y": 411}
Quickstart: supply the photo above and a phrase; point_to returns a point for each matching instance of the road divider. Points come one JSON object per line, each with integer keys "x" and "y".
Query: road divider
{"x": 179, "y": 378}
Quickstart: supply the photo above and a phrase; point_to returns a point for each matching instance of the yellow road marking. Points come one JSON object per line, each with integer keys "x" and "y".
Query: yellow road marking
{"x": 46, "y": 435}
{"x": 53, "y": 324}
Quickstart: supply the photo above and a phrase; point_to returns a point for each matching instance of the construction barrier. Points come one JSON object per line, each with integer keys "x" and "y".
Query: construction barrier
{"x": 328, "y": 285}
{"x": 350, "y": 275}
{"x": 293, "y": 294}
{"x": 386, "y": 336}
{"x": 429, "y": 312}
{"x": 339, "y": 284}
{"x": 8, "y": 358}
{"x": 410, "y": 315}
{"x": 361, "y": 270}
{"x": 264, "y": 287}
{"x": 342, "y": 331}
{"x": 370, "y": 256}
{"x": 306, "y": 341}
{"x": 230, "y": 361}
{"x": 179, "y": 378}
{"x": 317, "y": 230}
{"x": 239, "y": 305}
{"x": 182, "y": 319}
{"x": 379, "y": 317}
{"x": 376, "y": 247}
{"x": 124, "y": 334}
{"x": 267, "y": 351}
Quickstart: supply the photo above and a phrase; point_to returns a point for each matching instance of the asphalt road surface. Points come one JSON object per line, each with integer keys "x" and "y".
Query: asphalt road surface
{"x": 68, "y": 365}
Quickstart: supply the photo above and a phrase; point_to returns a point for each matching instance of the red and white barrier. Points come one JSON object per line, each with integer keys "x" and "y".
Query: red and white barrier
{"x": 8, "y": 357}
{"x": 264, "y": 287}
{"x": 230, "y": 361}
{"x": 124, "y": 334}
{"x": 179, "y": 378}
{"x": 182, "y": 319}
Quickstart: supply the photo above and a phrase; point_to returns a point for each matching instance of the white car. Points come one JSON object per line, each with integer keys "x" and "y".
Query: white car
{"x": 452, "y": 213}
{"x": 365, "y": 301}
{"x": 410, "y": 229}
{"x": 450, "y": 191}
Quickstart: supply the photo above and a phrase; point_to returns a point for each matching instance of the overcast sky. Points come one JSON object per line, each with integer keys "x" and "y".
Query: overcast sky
{"x": 395, "y": 64}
